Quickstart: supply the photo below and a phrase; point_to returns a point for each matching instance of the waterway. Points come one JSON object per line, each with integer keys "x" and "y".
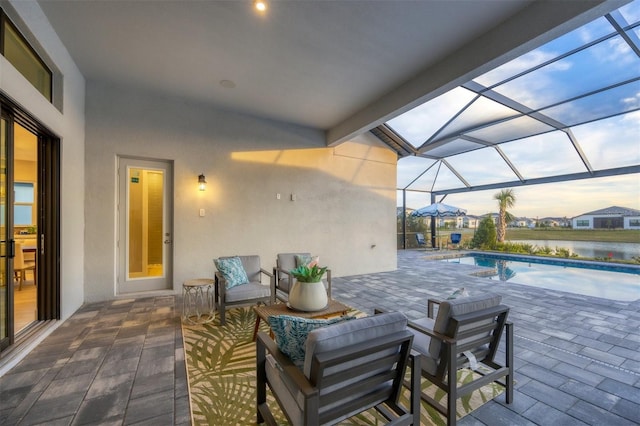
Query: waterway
{"x": 593, "y": 249}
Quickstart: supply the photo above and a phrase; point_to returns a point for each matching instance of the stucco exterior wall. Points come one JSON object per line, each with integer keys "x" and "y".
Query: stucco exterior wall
{"x": 67, "y": 124}
{"x": 632, "y": 222}
{"x": 345, "y": 195}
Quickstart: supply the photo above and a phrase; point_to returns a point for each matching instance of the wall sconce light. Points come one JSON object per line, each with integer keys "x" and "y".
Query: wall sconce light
{"x": 202, "y": 184}
{"x": 260, "y": 5}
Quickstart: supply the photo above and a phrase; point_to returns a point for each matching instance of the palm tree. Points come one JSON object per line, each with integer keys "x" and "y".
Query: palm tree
{"x": 506, "y": 199}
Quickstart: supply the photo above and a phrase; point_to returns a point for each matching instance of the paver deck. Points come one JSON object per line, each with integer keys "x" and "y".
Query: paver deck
{"x": 122, "y": 361}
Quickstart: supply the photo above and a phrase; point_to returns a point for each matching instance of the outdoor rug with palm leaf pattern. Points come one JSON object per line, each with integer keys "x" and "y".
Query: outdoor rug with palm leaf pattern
{"x": 221, "y": 368}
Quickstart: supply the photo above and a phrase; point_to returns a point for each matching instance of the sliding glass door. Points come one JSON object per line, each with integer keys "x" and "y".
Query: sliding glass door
{"x": 6, "y": 283}
{"x": 29, "y": 225}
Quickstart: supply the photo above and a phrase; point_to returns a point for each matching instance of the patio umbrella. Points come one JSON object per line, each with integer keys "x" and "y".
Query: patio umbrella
{"x": 438, "y": 210}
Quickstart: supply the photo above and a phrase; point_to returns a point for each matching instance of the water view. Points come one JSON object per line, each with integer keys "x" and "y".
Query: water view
{"x": 604, "y": 283}
{"x": 592, "y": 249}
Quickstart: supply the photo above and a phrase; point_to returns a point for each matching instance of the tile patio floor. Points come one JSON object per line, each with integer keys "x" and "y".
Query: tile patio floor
{"x": 122, "y": 362}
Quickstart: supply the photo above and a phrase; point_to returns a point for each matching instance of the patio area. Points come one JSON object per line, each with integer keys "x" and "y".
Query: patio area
{"x": 122, "y": 362}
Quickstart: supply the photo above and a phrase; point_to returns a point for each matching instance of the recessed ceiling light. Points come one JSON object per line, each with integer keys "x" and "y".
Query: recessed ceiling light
{"x": 227, "y": 84}
{"x": 260, "y": 5}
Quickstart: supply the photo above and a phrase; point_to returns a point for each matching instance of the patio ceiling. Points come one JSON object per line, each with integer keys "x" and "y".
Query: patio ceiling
{"x": 454, "y": 87}
{"x": 342, "y": 66}
{"x": 569, "y": 109}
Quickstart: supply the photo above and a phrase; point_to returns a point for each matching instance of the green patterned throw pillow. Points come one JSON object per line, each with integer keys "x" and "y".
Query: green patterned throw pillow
{"x": 291, "y": 333}
{"x": 232, "y": 270}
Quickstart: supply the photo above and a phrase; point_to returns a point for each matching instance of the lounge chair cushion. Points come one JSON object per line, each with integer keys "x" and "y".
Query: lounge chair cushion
{"x": 232, "y": 270}
{"x": 291, "y": 333}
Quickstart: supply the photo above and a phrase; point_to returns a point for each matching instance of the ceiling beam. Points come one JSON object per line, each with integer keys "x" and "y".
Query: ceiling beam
{"x": 551, "y": 179}
{"x": 540, "y": 22}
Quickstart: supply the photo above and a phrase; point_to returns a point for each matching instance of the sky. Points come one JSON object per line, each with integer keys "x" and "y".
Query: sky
{"x": 586, "y": 85}
{"x": 567, "y": 199}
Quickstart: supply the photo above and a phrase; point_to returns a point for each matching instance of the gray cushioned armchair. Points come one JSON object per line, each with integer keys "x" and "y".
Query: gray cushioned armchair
{"x": 349, "y": 367}
{"x": 466, "y": 333}
{"x": 252, "y": 292}
{"x": 284, "y": 281}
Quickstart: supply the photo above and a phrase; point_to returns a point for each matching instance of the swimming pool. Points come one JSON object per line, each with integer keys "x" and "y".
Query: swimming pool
{"x": 614, "y": 282}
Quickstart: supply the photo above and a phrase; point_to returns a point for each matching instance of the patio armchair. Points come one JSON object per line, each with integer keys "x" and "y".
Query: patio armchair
{"x": 466, "y": 333}
{"x": 420, "y": 240}
{"x": 285, "y": 262}
{"x": 349, "y": 367}
{"x": 238, "y": 281}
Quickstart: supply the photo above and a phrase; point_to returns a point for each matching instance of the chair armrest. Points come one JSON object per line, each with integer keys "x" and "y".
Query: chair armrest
{"x": 432, "y": 334}
{"x": 290, "y": 372}
{"x": 430, "y": 305}
{"x": 220, "y": 286}
{"x": 328, "y": 272}
{"x": 415, "y": 364}
{"x": 272, "y": 284}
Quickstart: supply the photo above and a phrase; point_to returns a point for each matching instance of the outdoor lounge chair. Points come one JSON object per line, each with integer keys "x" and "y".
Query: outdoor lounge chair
{"x": 420, "y": 239}
{"x": 285, "y": 262}
{"x": 465, "y": 334}
{"x": 251, "y": 291}
{"x": 349, "y": 367}
{"x": 455, "y": 238}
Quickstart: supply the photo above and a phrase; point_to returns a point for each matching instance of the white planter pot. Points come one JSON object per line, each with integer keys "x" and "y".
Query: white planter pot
{"x": 308, "y": 297}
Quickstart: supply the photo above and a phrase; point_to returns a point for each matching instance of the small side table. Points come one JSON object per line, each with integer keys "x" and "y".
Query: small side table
{"x": 198, "y": 301}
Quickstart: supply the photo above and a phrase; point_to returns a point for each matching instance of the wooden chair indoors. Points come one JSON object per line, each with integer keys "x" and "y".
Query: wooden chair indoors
{"x": 466, "y": 333}
{"x": 20, "y": 267}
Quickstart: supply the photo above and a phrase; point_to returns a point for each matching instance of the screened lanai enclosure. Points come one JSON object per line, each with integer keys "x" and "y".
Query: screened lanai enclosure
{"x": 566, "y": 110}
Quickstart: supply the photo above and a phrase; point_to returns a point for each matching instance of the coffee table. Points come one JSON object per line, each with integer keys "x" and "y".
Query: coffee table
{"x": 263, "y": 312}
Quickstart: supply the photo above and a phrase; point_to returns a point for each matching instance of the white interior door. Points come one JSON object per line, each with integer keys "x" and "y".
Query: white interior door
{"x": 144, "y": 225}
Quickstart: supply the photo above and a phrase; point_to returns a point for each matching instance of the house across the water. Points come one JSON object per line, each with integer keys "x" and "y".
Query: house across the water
{"x": 613, "y": 217}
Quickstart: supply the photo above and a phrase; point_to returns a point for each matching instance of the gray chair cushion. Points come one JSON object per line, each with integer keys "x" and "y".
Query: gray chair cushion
{"x": 252, "y": 267}
{"x": 351, "y": 332}
{"x": 287, "y": 262}
{"x": 251, "y": 290}
{"x": 459, "y": 306}
{"x": 421, "y": 344}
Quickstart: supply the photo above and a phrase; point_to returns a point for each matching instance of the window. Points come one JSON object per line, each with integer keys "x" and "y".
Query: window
{"x": 582, "y": 223}
{"x": 23, "y": 204}
{"x": 634, "y": 222}
{"x": 15, "y": 48}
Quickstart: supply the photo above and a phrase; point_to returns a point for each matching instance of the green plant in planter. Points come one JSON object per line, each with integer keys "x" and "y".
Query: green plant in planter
{"x": 308, "y": 274}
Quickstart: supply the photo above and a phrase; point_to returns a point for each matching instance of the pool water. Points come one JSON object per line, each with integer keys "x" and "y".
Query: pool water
{"x": 615, "y": 283}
